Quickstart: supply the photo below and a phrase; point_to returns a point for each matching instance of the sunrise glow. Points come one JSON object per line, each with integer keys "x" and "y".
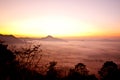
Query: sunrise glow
{"x": 60, "y": 18}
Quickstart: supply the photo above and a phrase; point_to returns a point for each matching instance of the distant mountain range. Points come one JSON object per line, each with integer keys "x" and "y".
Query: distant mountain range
{"x": 9, "y": 39}
{"x": 12, "y": 39}
{"x": 50, "y": 38}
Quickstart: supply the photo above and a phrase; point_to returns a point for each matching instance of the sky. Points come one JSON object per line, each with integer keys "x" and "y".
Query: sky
{"x": 61, "y": 18}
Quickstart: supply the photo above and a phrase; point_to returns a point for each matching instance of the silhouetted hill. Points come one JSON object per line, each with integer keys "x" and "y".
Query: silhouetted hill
{"x": 9, "y": 39}
{"x": 50, "y": 38}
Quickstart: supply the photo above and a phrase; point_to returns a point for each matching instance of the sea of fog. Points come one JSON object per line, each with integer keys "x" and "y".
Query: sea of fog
{"x": 92, "y": 53}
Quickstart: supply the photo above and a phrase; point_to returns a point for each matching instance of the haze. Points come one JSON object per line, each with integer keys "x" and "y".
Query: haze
{"x": 67, "y": 54}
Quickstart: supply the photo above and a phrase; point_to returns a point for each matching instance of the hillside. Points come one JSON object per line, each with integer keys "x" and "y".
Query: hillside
{"x": 9, "y": 39}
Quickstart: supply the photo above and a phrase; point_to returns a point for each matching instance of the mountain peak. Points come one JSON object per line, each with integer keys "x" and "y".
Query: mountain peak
{"x": 49, "y": 36}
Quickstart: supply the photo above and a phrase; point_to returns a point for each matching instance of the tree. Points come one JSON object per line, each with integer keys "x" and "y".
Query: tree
{"x": 10, "y": 68}
{"x": 80, "y": 72}
{"x": 81, "y": 69}
{"x": 52, "y": 73}
{"x": 29, "y": 56}
{"x": 109, "y": 71}
{"x": 7, "y": 63}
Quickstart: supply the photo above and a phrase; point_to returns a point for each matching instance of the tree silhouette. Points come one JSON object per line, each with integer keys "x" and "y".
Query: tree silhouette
{"x": 81, "y": 69}
{"x": 52, "y": 73}
{"x": 80, "y": 72}
{"x": 7, "y": 63}
{"x": 29, "y": 56}
{"x": 10, "y": 68}
{"x": 109, "y": 71}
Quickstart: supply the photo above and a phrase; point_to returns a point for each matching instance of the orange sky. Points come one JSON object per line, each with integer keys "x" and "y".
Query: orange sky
{"x": 60, "y": 18}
